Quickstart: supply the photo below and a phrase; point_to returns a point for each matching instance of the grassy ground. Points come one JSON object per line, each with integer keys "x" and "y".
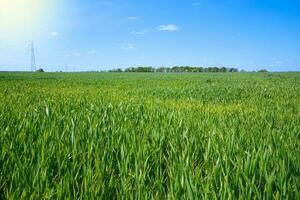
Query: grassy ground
{"x": 144, "y": 136}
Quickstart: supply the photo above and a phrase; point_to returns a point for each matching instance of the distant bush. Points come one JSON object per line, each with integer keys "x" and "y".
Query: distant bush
{"x": 40, "y": 70}
{"x": 116, "y": 70}
{"x": 263, "y": 71}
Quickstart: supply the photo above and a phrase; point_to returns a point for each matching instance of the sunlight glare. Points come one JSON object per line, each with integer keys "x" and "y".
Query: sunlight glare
{"x": 20, "y": 17}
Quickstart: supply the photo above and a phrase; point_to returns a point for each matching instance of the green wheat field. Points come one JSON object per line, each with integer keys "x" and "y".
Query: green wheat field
{"x": 149, "y": 135}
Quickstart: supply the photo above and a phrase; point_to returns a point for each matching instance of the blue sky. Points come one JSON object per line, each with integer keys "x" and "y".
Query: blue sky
{"x": 105, "y": 34}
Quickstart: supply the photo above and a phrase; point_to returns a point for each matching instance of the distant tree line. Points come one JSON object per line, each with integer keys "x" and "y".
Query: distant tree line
{"x": 177, "y": 69}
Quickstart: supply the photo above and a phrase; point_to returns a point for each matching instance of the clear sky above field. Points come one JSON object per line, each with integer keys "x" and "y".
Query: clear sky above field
{"x": 105, "y": 34}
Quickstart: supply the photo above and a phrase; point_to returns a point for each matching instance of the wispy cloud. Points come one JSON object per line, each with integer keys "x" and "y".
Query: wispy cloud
{"x": 73, "y": 54}
{"x": 167, "y": 27}
{"x": 128, "y": 46}
{"x": 203, "y": 60}
{"x": 54, "y": 33}
{"x": 163, "y": 27}
{"x": 91, "y": 52}
{"x": 132, "y": 18}
{"x": 143, "y": 32}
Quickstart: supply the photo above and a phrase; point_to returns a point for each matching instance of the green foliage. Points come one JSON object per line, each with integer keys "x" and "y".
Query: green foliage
{"x": 149, "y": 136}
{"x": 176, "y": 69}
{"x": 263, "y": 71}
{"x": 40, "y": 70}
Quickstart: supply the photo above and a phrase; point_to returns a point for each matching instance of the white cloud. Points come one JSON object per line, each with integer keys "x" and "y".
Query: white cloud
{"x": 143, "y": 32}
{"x": 279, "y": 62}
{"x": 163, "y": 27}
{"x": 203, "y": 60}
{"x": 128, "y": 46}
{"x": 132, "y": 18}
{"x": 76, "y": 54}
{"x": 54, "y": 33}
{"x": 72, "y": 55}
{"x": 167, "y": 27}
{"x": 91, "y": 52}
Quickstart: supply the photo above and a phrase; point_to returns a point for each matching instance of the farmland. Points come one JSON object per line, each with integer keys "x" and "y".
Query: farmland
{"x": 149, "y": 135}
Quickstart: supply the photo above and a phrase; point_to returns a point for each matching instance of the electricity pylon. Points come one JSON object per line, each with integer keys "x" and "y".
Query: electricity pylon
{"x": 32, "y": 50}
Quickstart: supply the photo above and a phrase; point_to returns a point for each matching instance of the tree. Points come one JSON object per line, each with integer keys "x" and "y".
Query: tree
{"x": 223, "y": 69}
{"x": 263, "y": 71}
{"x": 179, "y": 69}
{"x": 40, "y": 70}
{"x": 233, "y": 70}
